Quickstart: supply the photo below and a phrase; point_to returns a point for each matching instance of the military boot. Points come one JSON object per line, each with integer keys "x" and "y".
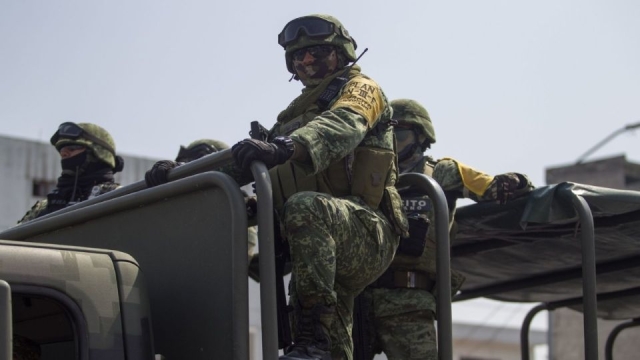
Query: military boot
{"x": 311, "y": 338}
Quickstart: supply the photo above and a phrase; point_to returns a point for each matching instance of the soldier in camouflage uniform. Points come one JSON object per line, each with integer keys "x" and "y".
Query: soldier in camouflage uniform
{"x": 332, "y": 166}
{"x": 333, "y": 170}
{"x": 89, "y": 161}
{"x": 403, "y": 311}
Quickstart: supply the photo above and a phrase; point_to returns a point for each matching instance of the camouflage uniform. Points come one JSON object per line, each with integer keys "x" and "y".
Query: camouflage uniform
{"x": 90, "y": 177}
{"x": 403, "y": 317}
{"x": 338, "y": 206}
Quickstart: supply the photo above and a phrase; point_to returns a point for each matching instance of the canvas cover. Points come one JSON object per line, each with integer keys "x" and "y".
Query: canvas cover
{"x": 530, "y": 250}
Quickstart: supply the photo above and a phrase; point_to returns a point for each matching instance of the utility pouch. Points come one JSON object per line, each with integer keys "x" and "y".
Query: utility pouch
{"x": 415, "y": 243}
{"x": 392, "y": 209}
{"x": 371, "y": 168}
{"x": 288, "y": 179}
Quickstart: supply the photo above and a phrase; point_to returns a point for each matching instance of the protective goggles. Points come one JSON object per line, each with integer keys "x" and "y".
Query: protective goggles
{"x": 312, "y": 27}
{"x": 72, "y": 131}
{"x": 317, "y": 51}
{"x": 196, "y": 152}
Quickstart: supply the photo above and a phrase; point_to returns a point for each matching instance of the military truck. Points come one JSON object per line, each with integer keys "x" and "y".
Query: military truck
{"x": 158, "y": 273}
{"x": 140, "y": 273}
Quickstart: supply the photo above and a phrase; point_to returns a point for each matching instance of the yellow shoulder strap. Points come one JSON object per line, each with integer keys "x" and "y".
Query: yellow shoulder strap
{"x": 477, "y": 182}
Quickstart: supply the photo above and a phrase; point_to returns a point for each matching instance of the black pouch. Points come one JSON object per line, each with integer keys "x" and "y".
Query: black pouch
{"x": 415, "y": 243}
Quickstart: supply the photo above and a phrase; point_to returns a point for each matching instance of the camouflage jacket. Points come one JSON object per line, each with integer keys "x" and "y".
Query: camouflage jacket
{"x": 335, "y": 138}
{"x": 37, "y": 209}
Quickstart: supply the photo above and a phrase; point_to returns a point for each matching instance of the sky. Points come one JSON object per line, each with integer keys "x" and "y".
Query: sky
{"x": 510, "y": 85}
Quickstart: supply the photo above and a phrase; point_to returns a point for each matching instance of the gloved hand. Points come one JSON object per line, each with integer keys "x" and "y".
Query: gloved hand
{"x": 506, "y": 186}
{"x": 252, "y": 206}
{"x": 271, "y": 153}
{"x": 157, "y": 175}
{"x": 254, "y": 267}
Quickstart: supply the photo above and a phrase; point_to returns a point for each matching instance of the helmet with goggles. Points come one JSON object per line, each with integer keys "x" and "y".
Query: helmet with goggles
{"x": 91, "y": 136}
{"x": 199, "y": 148}
{"x": 312, "y": 30}
{"x": 410, "y": 114}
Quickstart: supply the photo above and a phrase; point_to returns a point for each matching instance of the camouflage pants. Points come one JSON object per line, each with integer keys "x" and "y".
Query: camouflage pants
{"x": 404, "y": 323}
{"x": 338, "y": 246}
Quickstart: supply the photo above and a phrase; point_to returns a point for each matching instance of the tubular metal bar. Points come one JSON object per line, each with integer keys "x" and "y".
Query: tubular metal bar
{"x": 524, "y": 330}
{"x": 6, "y": 322}
{"x": 267, "y": 261}
{"x": 443, "y": 260}
{"x": 524, "y": 340}
{"x": 608, "y": 349}
{"x": 590, "y": 302}
{"x": 206, "y": 163}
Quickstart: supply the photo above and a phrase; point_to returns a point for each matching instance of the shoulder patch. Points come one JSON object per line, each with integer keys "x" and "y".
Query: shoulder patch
{"x": 363, "y": 96}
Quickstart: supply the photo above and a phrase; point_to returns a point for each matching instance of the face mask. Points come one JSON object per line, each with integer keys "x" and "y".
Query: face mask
{"x": 70, "y": 164}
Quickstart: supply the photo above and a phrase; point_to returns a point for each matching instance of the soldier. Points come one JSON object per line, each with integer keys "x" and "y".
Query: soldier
{"x": 403, "y": 312}
{"x": 89, "y": 161}
{"x": 332, "y": 166}
{"x": 194, "y": 151}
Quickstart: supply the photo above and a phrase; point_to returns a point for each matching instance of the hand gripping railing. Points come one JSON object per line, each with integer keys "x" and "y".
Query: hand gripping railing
{"x": 443, "y": 271}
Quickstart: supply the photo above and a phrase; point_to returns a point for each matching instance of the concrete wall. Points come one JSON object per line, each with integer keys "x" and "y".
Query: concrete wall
{"x": 568, "y": 342}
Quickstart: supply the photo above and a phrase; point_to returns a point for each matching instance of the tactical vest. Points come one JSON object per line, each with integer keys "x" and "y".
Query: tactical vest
{"x": 421, "y": 205}
{"x": 368, "y": 172}
{"x": 40, "y": 207}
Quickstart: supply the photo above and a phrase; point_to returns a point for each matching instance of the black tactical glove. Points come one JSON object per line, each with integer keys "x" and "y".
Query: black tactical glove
{"x": 252, "y": 206}
{"x": 254, "y": 267}
{"x": 271, "y": 153}
{"x": 506, "y": 186}
{"x": 159, "y": 171}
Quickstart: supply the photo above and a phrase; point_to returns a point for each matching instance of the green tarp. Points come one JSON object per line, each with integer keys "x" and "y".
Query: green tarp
{"x": 529, "y": 250}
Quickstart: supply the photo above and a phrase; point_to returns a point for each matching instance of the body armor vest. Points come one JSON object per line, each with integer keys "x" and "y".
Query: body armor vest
{"x": 368, "y": 172}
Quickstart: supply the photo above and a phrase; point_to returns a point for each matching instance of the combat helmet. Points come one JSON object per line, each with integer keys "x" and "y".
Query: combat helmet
{"x": 409, "y": 113}
{"x": 91, "y": 136}
{"x": 199, "y": 148}
{"x": 316, "y": 29}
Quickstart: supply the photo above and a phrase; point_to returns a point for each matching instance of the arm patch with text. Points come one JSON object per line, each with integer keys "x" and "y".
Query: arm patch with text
{"x": 363, "y": 96}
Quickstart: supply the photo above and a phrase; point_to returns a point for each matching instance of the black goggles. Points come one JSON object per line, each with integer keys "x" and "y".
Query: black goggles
{"x": 317, "y": 51}
{"x": 72, "y": 131}
{"x": 196, "y": 152}
{"x": 312, "y": 27}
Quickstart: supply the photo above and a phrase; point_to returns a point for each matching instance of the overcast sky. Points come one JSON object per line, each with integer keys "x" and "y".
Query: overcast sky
{"x": 510, "y": 85}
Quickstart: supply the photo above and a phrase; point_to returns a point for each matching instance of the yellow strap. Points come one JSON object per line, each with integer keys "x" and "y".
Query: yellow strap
{"x": 477, "y": 182}
{"x": 363, "y": 96}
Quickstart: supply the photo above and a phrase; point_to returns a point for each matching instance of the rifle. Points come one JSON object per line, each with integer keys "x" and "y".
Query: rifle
{"x": 259, "y": 132}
